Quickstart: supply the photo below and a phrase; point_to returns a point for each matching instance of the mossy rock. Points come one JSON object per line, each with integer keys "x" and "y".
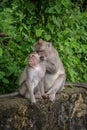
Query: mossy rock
{"x": 67, "y": 112}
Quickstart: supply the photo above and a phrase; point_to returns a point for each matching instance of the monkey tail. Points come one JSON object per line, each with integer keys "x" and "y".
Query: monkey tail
{"x": 9, "y": 95}
{"x": 83, "y": 85}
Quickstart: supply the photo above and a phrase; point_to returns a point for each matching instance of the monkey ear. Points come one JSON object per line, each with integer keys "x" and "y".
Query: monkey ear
{"x": 40, "y": 41}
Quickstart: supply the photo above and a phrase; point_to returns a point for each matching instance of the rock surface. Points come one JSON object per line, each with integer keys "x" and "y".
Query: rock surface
{"x": 67, "y": 112}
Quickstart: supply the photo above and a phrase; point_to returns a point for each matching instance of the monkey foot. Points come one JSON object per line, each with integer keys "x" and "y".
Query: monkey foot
{"x": 52, "y": 97}
{"x": 32, "y": 105}
{"x": 45, "y": 97}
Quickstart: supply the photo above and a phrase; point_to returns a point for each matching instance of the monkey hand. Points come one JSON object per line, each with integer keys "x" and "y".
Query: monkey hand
{"x": 43, "y": 58}
{"x": 45, "y": 96}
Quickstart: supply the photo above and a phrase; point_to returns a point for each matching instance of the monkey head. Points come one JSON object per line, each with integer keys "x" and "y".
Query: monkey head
{"x": 42, "y": 47}
{"x": 33, "y": 59}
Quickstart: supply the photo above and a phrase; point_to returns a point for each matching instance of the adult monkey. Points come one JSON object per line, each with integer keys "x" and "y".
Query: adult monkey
{"x": 55, "y": 73}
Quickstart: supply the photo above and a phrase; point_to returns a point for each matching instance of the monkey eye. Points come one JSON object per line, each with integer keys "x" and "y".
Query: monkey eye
{"x": 48, "y": 45}
{"x": 33, "y": 55}
{"x": 37, "y": 51}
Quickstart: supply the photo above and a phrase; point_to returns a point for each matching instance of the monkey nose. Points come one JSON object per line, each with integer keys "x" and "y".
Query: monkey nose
{"x": 42, "y": 57}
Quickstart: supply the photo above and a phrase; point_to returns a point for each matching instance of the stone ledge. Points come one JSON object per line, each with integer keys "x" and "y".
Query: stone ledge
{"x": 67, "y": 112}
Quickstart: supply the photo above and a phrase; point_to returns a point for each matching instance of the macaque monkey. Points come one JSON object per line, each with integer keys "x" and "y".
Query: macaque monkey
{"x": 32, "y": 79}
{"x": 55, "y": 73}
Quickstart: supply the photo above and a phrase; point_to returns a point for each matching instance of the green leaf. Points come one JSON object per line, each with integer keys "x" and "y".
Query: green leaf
{"x": 85, "y": 76}
{"x": 2, "y": 74}
{"x": 50, "y": 27}
{"x": 47, "y": 37}
{"x": 5, "y": 81}
{"x": 1, "y": 51}
{"x": 38, "y": 32}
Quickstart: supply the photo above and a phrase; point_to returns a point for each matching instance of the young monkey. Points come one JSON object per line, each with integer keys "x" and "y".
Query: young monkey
{"x": 35, "y": 77}
{"x": 31, "y": 82}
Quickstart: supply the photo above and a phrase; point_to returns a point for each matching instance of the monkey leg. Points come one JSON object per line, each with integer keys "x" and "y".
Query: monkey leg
{"x": 41, "y": 86}
{"x": 27, "y": 95}
{"x": 38, "y": 95}
{"x": 23, "y": 89}
{"x": 39, "y": 90}
{"x": 57, "y": 86}
{"x": 30, "y": 90}
{"x": 32, "y": 96}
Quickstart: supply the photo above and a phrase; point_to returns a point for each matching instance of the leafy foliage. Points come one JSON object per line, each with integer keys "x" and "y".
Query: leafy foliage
{"x": 64, "y": 22}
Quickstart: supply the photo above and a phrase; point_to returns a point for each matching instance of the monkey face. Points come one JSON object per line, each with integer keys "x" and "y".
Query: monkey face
{"x": 33, "y": 59}
{"x": 43, "y": 48}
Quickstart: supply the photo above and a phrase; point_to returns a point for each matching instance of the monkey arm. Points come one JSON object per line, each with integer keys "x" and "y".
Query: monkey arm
{"x": 52, "y": 62}
{"x": 51, "y": 67}
{"x": 23, "y": 76}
